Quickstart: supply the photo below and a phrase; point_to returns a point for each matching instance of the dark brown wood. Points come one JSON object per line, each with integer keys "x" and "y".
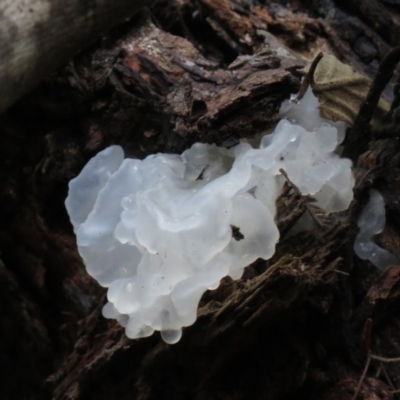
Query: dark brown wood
{"x": 37, "y": 36}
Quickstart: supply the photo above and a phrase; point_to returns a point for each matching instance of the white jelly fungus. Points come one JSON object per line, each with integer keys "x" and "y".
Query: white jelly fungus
{"x": 371, "y": 222}
{"x": 158, "y": 232}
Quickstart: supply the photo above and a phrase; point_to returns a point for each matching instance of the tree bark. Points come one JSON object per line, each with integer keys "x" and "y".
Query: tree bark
{"x": 37, "y": 36}
{"x": 300, "y": 325}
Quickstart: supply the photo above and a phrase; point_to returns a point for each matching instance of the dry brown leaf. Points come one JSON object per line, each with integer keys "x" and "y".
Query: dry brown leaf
{"x": 341, "y": 91}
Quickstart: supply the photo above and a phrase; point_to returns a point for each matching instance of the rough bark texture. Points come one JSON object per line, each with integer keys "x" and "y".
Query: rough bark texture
{"x": 298, "y": 326}
{"x": 37, "y": 36}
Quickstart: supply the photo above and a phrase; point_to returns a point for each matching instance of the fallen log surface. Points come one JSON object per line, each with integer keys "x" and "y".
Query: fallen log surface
{"x": 302, "y": 324}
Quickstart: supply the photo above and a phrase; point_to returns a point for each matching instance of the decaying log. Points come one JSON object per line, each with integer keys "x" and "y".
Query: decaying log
{"x": 302, "y": 324}
{"x": 38, "y": 36}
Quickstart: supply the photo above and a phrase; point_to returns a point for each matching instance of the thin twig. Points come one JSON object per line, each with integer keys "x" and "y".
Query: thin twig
{"x": 383, "y": 368}
{"x": 357, "y": 392}
{"x": 308, "y": 77}
{"x": 294, "y": 187}
{"x": 385, "y": 359}
{"x": 366, "y": 336}
{"x": 340, "y": 272}
{"x": 358, "y": 141}
{"x": 317, "y": 213}
{"x": 389, "y": 381}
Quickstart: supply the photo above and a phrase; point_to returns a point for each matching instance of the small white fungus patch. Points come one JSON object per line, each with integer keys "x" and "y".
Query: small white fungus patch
{"x": 371, "y": 222}
{"x": 158, "y": 232}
